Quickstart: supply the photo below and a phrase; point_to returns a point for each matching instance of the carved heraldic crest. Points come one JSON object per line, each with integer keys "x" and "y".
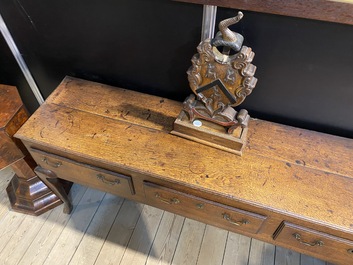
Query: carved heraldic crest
{"x": 221, "y": 77}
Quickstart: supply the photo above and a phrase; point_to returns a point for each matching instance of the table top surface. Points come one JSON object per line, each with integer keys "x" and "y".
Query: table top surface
{"x": 283, "y": 169}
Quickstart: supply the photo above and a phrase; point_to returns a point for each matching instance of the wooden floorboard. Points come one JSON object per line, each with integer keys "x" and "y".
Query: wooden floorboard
{"x": 18, "y": 244}
{"x": 310, "y": 260}
{"x": 166, "y": 240}
{"x": 142, "y": 237}
{"x": 120, "y": 234}
{"x": 104, "y": 229}
{"x": 5, "y": 177}
{"x": 71, "y": 236}
{"x": 46, "y": 238}
{"x": 189, "y": 244}
{"x": 261, "y": 253}
{"x": 286, "y": 257}
{"x": 237, "y": 249}
{"x": 97, "y": 231}
{"x": 211, "y": 253}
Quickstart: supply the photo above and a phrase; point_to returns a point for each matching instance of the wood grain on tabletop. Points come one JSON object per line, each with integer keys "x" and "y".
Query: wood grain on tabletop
{"x": 253, "y": 178}
{"x": 117, "y": 103}
{"x": 302, "y": 147}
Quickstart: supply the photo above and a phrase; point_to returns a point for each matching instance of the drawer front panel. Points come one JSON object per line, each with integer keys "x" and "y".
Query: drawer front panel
{"x": 84, "y": 174}
{"x": 229, "y": 217}
{"x": 316, "y": 242}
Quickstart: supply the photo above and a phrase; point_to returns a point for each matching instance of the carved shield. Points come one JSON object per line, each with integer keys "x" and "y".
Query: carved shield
{"x": 223, "y": 79}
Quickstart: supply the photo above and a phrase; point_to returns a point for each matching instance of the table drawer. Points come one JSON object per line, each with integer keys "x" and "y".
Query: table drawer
{"x": 84, "y": 174}
{"x": 210, "y": 212}
{"x": 315, "y": 242}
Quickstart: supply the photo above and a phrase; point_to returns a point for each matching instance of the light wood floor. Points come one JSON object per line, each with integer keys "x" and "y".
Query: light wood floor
{"x": 105, "y": 229}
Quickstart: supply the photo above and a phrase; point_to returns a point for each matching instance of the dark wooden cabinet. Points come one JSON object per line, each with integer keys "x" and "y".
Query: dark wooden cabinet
{"x": 291, "y": 187}
{"x": 26, "y": 192}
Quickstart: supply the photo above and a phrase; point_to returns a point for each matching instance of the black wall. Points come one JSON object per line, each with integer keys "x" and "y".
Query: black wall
{"x": 305, "y": 67}
{"x": 10, "y": 74}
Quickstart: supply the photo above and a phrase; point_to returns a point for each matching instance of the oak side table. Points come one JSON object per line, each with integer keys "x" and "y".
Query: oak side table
{"x": 291, "y": 187}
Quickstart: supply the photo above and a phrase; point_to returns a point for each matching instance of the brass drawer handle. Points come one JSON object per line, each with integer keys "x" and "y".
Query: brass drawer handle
{"x": 108, "y": 182}
{"x": 167, "y": 201}
{"x": 52, "y": 164}
{"x": 298, "y": 237}
{"x": 238, "y": 223}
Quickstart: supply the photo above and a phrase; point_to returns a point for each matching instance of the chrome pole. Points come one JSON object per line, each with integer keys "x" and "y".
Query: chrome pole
{"x": 16, "y": 53}
{"x": 208, "y": 22}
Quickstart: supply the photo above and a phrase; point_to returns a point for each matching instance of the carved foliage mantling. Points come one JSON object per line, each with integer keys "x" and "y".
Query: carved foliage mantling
{"x": 204, "y": 56}
{"x": 242, "y": 62}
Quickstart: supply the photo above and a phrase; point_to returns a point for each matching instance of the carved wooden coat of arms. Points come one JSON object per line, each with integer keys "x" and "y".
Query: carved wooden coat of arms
{"x": 221, "y": 77}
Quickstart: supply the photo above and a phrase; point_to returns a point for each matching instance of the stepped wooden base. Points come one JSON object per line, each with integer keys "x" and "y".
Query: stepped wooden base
{"x": 210, "y": 134}
{"x": 31, "y": 196}
{"x": 27, "y": 193}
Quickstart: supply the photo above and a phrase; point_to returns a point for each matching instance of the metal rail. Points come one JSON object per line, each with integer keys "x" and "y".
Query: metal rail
{"x": 208, "y": 22}
{"x": 16, "y": 53}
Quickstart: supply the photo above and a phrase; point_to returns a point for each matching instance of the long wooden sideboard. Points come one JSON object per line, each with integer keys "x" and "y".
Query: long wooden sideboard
{"x": 292, "y": 187}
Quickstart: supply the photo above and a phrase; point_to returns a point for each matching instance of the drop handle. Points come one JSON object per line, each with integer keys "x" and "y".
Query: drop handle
{"x": 167, "y": 201}
{"x": 298, "y": 237}
{"x": 106, "y": 181}
{"x": 233, "y": 222}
